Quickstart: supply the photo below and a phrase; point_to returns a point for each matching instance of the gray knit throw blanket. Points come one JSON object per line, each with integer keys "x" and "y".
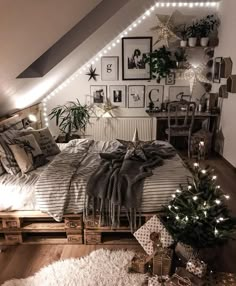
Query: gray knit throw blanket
{"x": 118, "y": 183}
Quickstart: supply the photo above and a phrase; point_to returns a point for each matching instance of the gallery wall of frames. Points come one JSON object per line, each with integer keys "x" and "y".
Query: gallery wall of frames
{"x": 122, "y": 76}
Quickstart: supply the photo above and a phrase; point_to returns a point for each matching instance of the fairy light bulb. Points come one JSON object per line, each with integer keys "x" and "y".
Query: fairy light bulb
{"x": 195, "y": 198}
{"x": 177, "y": 217}
{"x": 173, "y": 196}
{"x": 227, "y": 197}
{"x": 214, "y": 177}
{"x": 205, "y": 213}
{"x": 196, "y": 164}
{"x": 203, "y": 171}
{"x": 218, "y": 202}
{"x": 189, "y": 187}
{"x": 186, "y": 218}
{"x": 178, "y": 191}
{"x": 216, "y": 231}
{"x": 169, "y": 207}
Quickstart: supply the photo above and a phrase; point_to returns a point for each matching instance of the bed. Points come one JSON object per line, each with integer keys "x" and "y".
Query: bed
{"x": 31, "y": 213}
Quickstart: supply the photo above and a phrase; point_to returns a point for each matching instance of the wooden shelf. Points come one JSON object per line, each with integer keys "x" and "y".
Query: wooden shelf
{"x": 43, "y": 227}
{"x": 45, "y": 240}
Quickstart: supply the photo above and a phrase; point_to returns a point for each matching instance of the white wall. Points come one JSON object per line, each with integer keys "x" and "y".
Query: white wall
{"x": 80, "y": 87}
{"x": 227, "y": 48}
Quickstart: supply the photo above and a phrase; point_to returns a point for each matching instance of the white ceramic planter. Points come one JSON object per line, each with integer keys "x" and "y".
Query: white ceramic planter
{"x": 192, "y": 42}
{"x": 204, "y": 41}
{"x": 183, "y": 44}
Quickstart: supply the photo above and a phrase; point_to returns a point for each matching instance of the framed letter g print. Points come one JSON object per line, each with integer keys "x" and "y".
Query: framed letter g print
{"x": 109, "y": 68}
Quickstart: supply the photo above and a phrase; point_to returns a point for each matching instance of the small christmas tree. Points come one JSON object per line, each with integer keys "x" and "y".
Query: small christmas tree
{"x": 197, "y": 214}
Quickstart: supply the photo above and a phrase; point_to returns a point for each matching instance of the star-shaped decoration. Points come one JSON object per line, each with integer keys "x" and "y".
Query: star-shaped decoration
{"x": 165, "y": 28}
{"x": 92, "y": 73}
{"x": 135, "y": 147}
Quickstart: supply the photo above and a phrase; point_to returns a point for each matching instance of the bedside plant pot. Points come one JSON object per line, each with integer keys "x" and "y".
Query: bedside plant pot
{"x": 204, "y": 41}
{"x": 183, "y": 44}
{"x": 192, "y": 42}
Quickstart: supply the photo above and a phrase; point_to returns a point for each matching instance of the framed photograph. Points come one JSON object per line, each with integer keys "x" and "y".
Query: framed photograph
{"x": 170, "y": 79}
{"x": 133, "y": 51}
{"x": 217, "y": 69}
{"x": 99, "y": 93}
{"x": 136, "y": 96}
{"x": 176, "y": 93}
{"x": 109, "y": 68}
{"x": 154, "y": 94}
{"x": 117, "y": 95}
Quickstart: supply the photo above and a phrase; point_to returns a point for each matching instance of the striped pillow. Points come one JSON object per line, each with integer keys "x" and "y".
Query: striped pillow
{"x": 7, "y": 158}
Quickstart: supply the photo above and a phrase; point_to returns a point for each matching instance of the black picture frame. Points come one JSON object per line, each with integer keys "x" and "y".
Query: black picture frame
{"x": 217, "y": 70}
{"x": 170, "y": 79}
{"x": 133, "y": 66}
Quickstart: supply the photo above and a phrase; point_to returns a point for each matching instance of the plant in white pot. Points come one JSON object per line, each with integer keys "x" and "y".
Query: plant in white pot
{"x": 182, "y": 32}
{"x": 192, "y": 34}
{"x": 206, "y": 26}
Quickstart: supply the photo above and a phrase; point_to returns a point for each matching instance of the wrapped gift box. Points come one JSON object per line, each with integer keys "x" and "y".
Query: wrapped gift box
{"x": 162, "y": 261}
{"x": 184, "y": 278}
{"x": 145, "y": 233}
{"x": 140, "y": 263}
{"x": 197, "y": 267}
{"x": 157, "y": 280}
{"x": 184, "y": 251}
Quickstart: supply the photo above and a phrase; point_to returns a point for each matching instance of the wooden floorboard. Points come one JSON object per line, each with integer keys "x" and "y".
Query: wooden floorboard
{"x": 24, "y": 260}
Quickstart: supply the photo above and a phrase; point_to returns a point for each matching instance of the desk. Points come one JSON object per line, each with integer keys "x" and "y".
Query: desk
{"x": 162, "y": 121}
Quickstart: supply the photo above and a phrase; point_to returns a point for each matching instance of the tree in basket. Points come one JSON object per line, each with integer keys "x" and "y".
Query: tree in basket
{"x": 70, "y": 118}
{"x": 198, "y": 215}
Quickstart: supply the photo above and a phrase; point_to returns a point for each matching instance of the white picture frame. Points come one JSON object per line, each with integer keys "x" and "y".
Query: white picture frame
{"x": 109, "y": 68}
{"x": 117, "y": 95}
{"x": 174, "y": 93}
{"x": 98, "y": 93}
{"x": 136, "y": 96}
{"x": 155, "y": 94}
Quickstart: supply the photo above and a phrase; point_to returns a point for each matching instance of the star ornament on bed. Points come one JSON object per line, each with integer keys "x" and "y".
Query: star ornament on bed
{"x": 135, "y": 147}
{"x": 92, "y": 73}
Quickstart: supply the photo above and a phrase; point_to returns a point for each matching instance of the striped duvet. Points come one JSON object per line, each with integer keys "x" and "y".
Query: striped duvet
{"x": 61, "y": 187}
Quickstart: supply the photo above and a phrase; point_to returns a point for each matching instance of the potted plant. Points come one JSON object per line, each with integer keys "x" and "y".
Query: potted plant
{"x": 192, "y": 34}
{"x": 182, "y": 32}
{"x": 70, "y": 118}
{"x": 206, "y": 26}
{"x": 181, "y": 58}
{"x": 160, "y": 63}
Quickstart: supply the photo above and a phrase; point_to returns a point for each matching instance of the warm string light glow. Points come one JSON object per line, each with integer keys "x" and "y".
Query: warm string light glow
{"x": 117, "y": 40}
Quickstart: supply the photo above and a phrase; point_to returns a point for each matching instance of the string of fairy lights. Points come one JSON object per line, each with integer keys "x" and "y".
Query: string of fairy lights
{"x": 116, "y": 41}
{"x": 185, "y": 219}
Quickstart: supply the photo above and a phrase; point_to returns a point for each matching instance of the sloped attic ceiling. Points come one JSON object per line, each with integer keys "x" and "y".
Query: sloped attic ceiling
{"x": 29, "y": 28}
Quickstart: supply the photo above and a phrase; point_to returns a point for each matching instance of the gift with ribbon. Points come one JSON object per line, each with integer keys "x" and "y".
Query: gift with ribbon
{"x": 197, "y": 267}
{"x": 152, "y": 235}
{"x": 157, "y": 280}
{"x": 162, "y": 261}
{"x": 184, "y": 278}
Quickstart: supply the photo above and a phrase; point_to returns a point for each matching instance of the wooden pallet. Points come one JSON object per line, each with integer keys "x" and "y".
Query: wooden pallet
{"x": 95, "y": 234}
{"x": 33, "y": 227}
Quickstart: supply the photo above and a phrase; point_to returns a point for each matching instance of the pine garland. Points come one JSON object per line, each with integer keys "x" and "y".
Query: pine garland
{"x": 198, "y": 215}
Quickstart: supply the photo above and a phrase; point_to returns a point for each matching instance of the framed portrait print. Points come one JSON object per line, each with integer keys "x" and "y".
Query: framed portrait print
{"x": 109, "y": 68}
{"x": 170, "y": 78}
{"x": 217, "y": 70}
{"x": 155, "y": 95}
{"x": 176, "y": 93}
{"x": 133, "y": 64}
{"x": 117, "y": 95}
{"x": 136, "y": 96}
{"x": 98, "y": 93}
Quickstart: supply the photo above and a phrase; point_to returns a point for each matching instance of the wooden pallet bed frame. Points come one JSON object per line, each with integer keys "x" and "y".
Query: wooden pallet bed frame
{"x": 35, "y": 227}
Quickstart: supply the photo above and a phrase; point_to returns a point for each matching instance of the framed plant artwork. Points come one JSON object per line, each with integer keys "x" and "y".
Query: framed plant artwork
{"x": 98, "y": 93}
{"x": 170, "y": 78}
{"x": 154, "y": 95}
{"x": 176, "y": 93}
{"x": 133, "y": 64}
{"x": 217, "y": 69}
{"x": 109, "y": 68}
{"x": 136, "y": 96}
{"x": 117, "y": 95}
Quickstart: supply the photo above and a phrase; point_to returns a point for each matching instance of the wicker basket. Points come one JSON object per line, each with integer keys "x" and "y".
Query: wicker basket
{"x": 162, "y": 262}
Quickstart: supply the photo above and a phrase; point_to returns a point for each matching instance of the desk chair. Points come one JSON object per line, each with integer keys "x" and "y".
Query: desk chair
{"x": 181, "y": 120}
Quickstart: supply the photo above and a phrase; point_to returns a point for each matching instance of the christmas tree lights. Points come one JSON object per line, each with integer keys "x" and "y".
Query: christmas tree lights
{"x": 198, "y": 215}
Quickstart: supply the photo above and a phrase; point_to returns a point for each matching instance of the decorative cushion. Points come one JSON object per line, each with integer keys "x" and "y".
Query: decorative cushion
{"x": 45, "y": 141}
{"x": 7, "y": 158}
{"x": 27, "y": 153}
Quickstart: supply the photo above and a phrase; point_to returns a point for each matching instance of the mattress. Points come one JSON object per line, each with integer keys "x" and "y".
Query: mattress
{"x": 18, "y": 192}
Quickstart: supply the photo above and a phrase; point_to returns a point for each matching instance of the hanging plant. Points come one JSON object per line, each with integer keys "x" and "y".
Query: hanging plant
{"x": 160, "y": 63}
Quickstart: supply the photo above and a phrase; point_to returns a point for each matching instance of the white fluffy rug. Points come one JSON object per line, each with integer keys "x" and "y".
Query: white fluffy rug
{"x": 101, "y": 268}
